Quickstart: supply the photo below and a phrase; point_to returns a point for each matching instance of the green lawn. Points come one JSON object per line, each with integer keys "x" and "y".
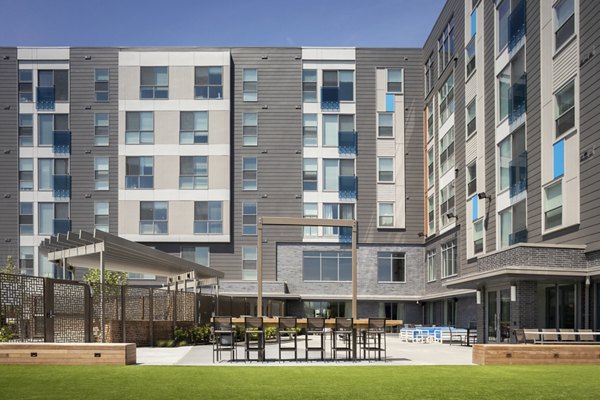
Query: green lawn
{"x": 364, "y": 382}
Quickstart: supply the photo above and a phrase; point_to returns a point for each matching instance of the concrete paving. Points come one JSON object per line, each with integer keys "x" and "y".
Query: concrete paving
{"x": 398, "y": 353}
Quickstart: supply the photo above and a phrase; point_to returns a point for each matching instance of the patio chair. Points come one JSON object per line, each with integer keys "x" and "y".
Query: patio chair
{"x": 550, "y": 337}
{"x": 532, "y": 336}
{"x": 566, "y": 336}
{"x": 287, "y": 329}
{"x": 223, "y": 338}
{"x": 342, "y": 337}
{"x": 315, "y": 327}
{"x": 374, "y": 340}
{"x": 456, "y": 335}
{"x": 519, "y": 335}
{"x": 586, "y": 338}
{"x": 254, "y": 337}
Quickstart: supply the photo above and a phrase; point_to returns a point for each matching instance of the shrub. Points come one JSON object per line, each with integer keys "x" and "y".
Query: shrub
{"x": 6, "y": 333}
{"x": 270, "y": 332}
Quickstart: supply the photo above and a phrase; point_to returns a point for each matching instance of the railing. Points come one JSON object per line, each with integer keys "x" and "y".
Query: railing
{"x": 61, "y": 142}
{"x": 518, "y": 99}
{"x": 61, "y": 226}
{"x": 517, "y": 172}
{"x": 348, "y": 187}
{"x": 61, "y": 185}
{"x": 330, "y": 98}
{"x": 517, "y": 237}
{"x": 347, "y": 142}
{"x": 517, "y": 26}
{"x": 345, "y": 234}
{"x": 45, "y": 98}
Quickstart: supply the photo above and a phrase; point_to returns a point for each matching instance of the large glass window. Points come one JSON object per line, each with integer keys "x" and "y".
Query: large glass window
{"x": 446, "y": 46}
{"x": 139, "y": 127}
{"x": 250, "y": 84}
{"x": 333, "y": 124}
{"x": 395, "y": 77}
{"x": 447, "y": 203}
{"x": 154, "y": 217}
{"x": 385, "y": 170}
{"x": 327, "y": 266}
{"x": 193, "y": 127}
{"x": 385, "y": 125}
{"x": 336, "y": 211}
{"x": 101, "y": 173}
{"x": 25, "y": 218}
{"x": 564, "y": 22}
{"x": 154, "y": 82}
{"x": 139, "y": 172}
{"x": 553, "y": 206}
{"x": 330, "y": 175}
{"x": 513, "y": 224}
{"x": 503, "y": 24}
{"x": 198, "y": 254}
{"x": 309, "y": 130}
{"x": 249, "y": 212}
{"x": 101, "y": 211}
{"x": 25, "y": 173}
{"x": 208, "y": 217}
{"x": 250, "y": 129}
{"x": 193, "y": 172}
{"x": 101, "y": 129}
{"x": 45, "y": 172}
{"x": 249, "y": 173}
{"x": 447, "y": 151}
{"x": 25, "y": 130}
{"x": 249, "y": 257}
{"x": 47, "y": 124}
{"x": 101, "y": 76}
{"x": 45, "y": 218}
{"x": 449, "y": 265}
{"x": 57, "y": 79}
{"x": 309, "y": 174}
{"x": 386, "y": 214}
{"x": 446, "y": 97}
{"x": 208, "y": 83}
{"x": 309, "y": 85}
{"x": 391, "y": 267}
{"x": 565, "y": 109}
{"x": 431, "y": 266}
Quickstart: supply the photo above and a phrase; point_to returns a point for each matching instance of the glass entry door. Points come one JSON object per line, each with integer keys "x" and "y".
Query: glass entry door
{"x": 498, "y": 316}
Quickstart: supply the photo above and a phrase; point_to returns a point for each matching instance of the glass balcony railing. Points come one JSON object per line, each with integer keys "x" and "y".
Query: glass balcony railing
{"x": 518, "y": 99}
{"x": 348, "y": 187}
{"x": 345, "y": 234}
{"x": 61, "y": 226}
{"x": 45, "y": 98}
{"x": 61, "y": 185}
{"x": 517, "y": 237}
{"x": 517, "y": 174}
{"x": 347, "y": 142}
{"x": 330, "y": 98}
{"x": 517, "y": 26}
{"x": 61, "y": 142}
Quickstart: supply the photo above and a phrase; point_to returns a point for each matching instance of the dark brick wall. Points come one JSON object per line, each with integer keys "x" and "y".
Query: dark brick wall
{"x": 526, "y": 256}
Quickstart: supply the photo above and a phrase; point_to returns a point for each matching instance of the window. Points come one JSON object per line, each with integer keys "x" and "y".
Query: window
{"x": 553, "y": 206}
{"x": 25, "y": 85}
{"x": 25, "y": 130}
{"x": 193, "y": 127}
{"x": 343, "y": 80}
{"x": 471, "y": 178}
{"x": 208, "y": 217}
{"x": 249, "y": 257}
{"x": 565, "y": 109}
{"x": 471, "y": 118}
{"x": 447, "y": 99}
{"x": 25, "y": 219}
{"x": 48, "y": 123}
{"x": 431, "y": 214}
{"x": 564, "y": 22}
{"x": 385, "y": 125}
{"x": 330, "y": 175}
{"x": 250, "y": 129}
{"x": 327, "y": 266}
{"x": 48, "y": 216}
{"x": 139, "y": 172}
{"x": 249, "y": 173}
{"x": 447, "y": 151}
{"x": 385, "y": 170}
{"x": 45, "y": 172}
{"x": 505, "y": 154}
{"x": 26, "y": 260}
{"x": 449, "y": 259}
{"x": 25, "y": 173}
{"x": 391, "y": 267}
{"x": 139, "y": 127}
{"x": 430, "y": 167}
{"x": 386, "y": 215}
{"x": 101, "y": 173}
{"x": 473, "y": 21}
{"x": 208, "y": 83}
{"x": 101, "y": 216}
{"x": 309, "y": 130}
{"x": 250, "y": 84}
{"x": 446, "y": 46}
{"x": 58, "y": 79}
{"x": 309, "y": 174}
{"x": 470, "y": 57}
{"x": 101, "y": 129}
{"x": 101, "y": 84}
{"x": 431, "y": 266}
{"x": 193, "y": 172}
{"x": 333, "y": 124}
{"x": 154, "y": 82}
{"x": 478, "y": 236}
{"x": 503, "y": 24}
{"x": 154, "y": 218}
{"x": 311, "y": 211}
{"x": 429, "y": 74}
{"x": 309, "y": 85}
{"x": 395, "y": 77}
{"x": 504, "y": 93}
{"x": 336, "y": 211}
{"x": 198, "y": 254}
{"x": 430, "y": 120}
{"x": 249, "y": 218}
{"x": 513, "y": 225}
{"x": 446, "y": 203}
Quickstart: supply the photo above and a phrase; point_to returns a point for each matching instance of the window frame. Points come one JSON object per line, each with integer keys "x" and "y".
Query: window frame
{"x": 247, "y": 182}
{"x": 556, "y": 29}
{"x": 210, "y": 88}
{"x": 386, "y": 127}
{"x": 471, "y": 131}
{"x": 101, "y": 139}
{"x": 212, "y": 226}
{"x": 97, "y": 225}
{"x": 339, "y": 255}
{"x": 309, "y": 84}
{"x": 447, "y": 151}
{"x": 25, "y": 131}
{"x": 431, "y": 214}
{"x": 400, "y": 82}
{"x": 24, "y": 83}
{"x": 471, "y": 178}
{"x": 245, "y": 251}
{"x": 101, "y": 175}
{"x": 478, "y": 222}
{"x": 199, "y": 178}
{"x": 446, "y": 47}
{"x": 140, "y": 136}
{"x": 470, "y": 58}
{"x": 157, "y": 91}
{"x": 249, "y": 138}
{"x": 26, "y": 175}
{"x": 99, "y": 83}
{"x": 380, "y": 215}
{"x": 252, "y": 228}
{"x": 249, "y": 94}
{"x": 312, "y": 139}
{"x": 449, "y": 265}
{"x": 430, "y": 261}
{"x": 26, "y": 218}
{"x": 391, "y": 256}
{"x": 446, "y": 99}
{"x": 392, "y": 176}
{"x": 447, "y": 203}
{"x": 571, "y": 84}
{"x": 199, "y": 136}
{"x": 547, "y": 188}
{"x": 142, "y": 163}
{"x": 307, "y": 175}
{"x": 155, "y": 222}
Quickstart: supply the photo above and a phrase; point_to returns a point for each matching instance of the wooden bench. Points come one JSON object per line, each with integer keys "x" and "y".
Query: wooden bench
{"x": 523, "y": 354}
{"x": 68, "y": 353}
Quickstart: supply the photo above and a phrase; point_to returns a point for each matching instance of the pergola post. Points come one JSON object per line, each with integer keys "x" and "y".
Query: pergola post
{"x": 102, "y": 287}
{"x": 259, "y": 275}
{"x": 354, "y": 274}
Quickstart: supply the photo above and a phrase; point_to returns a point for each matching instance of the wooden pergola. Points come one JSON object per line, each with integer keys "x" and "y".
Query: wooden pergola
{"x": 341, "y": 223}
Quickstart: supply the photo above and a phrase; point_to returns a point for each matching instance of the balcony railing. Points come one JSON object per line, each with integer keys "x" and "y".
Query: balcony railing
{"x": 347, "y": 142}
{"x": 330, "y": 98}
{"x": 345, "y": 234}
{"x": 517, "y": 237}
{"x": 517, "y": 26}
{"x": 518, "y": 99}
{"x": 348, "y": 187}
{"x": 61, "y": 142}
{"x": 61, "y": 185}
{"x": 45, "y": 98}
{"x": 517, "y": 170}
{"x": 61, "y": 226}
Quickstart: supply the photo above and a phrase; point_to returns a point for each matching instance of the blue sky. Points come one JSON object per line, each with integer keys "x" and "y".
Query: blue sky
{"x": 366, "y": 23}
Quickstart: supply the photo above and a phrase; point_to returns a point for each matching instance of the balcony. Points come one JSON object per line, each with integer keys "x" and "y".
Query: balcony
{"x": 345, "y": 234}
{"x": 348, "y": 187}
{"x": 517, "y": 27}
{"x": 45, "y": 98}
{"x": 517, "y": 96}
{"x": 61, "y": 142}
{"x": 347, "y": 142}
{"x": 517, "y": 173}
{"x": 517, "y": 237}
{"x": 61, "y": 226}
{"x": 61, "y": 185}
{"x": 330, "y": 98}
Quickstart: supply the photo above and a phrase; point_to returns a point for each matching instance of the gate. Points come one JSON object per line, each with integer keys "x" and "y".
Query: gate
{"x": 67, "y": 312}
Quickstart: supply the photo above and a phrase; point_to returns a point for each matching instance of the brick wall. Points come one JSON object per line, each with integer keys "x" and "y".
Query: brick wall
{"x": 527, "y": 256}
{"x": 138, "y": 332}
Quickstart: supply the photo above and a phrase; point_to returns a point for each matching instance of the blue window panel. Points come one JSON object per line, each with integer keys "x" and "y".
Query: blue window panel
{"x": 559, "y": 158}
{"x": 473, "y": 22}
{"x": 389, "y": 102}
{"x": 475, "y": 207}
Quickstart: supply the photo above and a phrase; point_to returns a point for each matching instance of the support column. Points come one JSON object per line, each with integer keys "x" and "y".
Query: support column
{"x": 354, "y": 274}
{"x": 259, "y": 275}
{"x": 102, "y": 288}
{"x": 586, "y": 307}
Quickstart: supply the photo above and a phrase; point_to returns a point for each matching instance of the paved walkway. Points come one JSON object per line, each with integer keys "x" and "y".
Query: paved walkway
{"x": 398, "y": 353}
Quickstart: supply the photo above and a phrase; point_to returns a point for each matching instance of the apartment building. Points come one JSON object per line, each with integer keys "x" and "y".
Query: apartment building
{"x": 468, "y": 164}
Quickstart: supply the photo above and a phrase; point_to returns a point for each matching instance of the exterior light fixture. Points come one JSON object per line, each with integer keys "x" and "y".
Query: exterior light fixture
{"x": 513, "y": 293}
{"x": 483, "y": 195}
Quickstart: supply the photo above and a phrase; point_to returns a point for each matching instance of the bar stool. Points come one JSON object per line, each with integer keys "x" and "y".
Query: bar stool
{"x": 287, "y": 329}
{"x": 315, "y": 327}
{"x": 342, "y": 337}
{"x": 254, "y": 330}
{"x": 374, "y": 338}
{"x": 223, "y": 337}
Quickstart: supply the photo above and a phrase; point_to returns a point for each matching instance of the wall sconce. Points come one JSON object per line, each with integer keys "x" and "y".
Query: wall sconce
{"x": 451, "y": 215}
{"x": 513, "y": 293}
{"x": 587, "y": 281}
{"x": 478, "y": 297}
{"x": 483, "y": 195}
{"x": 421, "y": 234}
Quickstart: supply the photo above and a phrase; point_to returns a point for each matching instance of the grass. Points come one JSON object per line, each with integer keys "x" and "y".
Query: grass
{"x": 365, "y": 382}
